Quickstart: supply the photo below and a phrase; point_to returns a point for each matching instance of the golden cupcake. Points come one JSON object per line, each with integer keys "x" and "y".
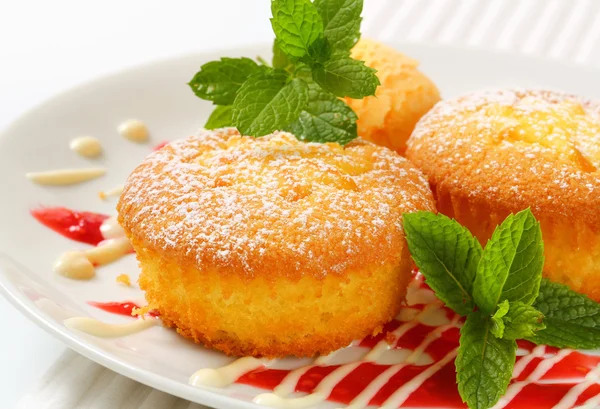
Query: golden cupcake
{"x": 492, "y": 153}
{"x": 271, "y": 246}
{"x": 404, "y": 96}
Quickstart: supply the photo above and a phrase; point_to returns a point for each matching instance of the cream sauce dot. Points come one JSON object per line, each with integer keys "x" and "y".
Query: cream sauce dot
{"x": 134, "y": 130}
{"x": 86, "y": 146}
{"x": 74, "y": 264}
{"x": 111, "y": 229}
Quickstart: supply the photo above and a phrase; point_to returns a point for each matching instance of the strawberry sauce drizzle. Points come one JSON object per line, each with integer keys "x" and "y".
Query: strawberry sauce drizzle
{"x": 539, "y": 389}
{"x": 120, "y": 308}
{"x": 72, "y": 224}
{"x": 572, "y": 378}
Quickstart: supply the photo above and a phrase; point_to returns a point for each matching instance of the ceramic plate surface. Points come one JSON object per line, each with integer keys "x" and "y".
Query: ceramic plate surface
{"x": 158, "y": 95}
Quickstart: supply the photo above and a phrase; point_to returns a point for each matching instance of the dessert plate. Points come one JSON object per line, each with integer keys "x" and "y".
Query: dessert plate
{"x": 158, "y": 95}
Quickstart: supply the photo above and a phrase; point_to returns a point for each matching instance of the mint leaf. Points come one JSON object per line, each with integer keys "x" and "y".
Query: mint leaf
{"x": 280, "y": 59}
{"x": 345, "y": 77}
{"x": 522, "y": 321}
{"x": 511, "y": 265}
{"x": 220, "y": 117}
{"x": 219, "y": 81}
{"x": 497, "y": 321}
{"x": 341, "y": 19}
{"x": 324, "y": 119}
{"x": 516, "y": 320}
{"x": 572, "y": 320}
{"x": 318, "y": 52}
{"x": 296, "y": 24}
{"x": 302, "y": 71}
{"x": 484, "y": 363}
{"x": 267, "y": 102}
{"x": 447, "y": 255}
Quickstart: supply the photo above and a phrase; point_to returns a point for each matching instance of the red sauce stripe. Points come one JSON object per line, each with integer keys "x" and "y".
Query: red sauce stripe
{"x": 72, "y": 224}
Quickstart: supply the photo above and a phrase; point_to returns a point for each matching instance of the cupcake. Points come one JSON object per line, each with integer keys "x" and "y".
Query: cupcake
{"x": 492, "y": 153}
{"x": 272, "y": 246}
{"x": 404, "y": 96}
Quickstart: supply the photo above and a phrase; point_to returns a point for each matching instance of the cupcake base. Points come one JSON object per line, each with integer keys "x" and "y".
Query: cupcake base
{"x": 571, "y": 247}
{"x": 274, "y": 318}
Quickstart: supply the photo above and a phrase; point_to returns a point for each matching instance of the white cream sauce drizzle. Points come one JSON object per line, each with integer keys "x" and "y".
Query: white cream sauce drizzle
{"x": 430, "y": 315}
{"x": 105, "y": 330}
{"x": 543, "y": 367}
{"x": 321, "y": 392}
{"x": 113, "y": 191}
{"x": 81, "y": 264}
{"x": 63, "y": 177}
{"x": 400, "y": 396}
{"x": 111, "y": 229}
{"x": 74, "y": 264}
{"x": 569, "y": 400}
{"x": 86, "y": 146}
{"x": 228, "y": 374}
{"x": 591, "y": 403}
{"x": 109, "y": 250}
{"x": 134, "y": 130}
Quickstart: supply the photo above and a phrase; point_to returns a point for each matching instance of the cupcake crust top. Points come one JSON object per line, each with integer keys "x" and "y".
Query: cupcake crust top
{"x": 515, "y": 149}
{"x": 272, "y": 206}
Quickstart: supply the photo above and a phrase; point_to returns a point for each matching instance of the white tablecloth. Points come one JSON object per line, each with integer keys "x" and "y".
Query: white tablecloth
{"x": 47, "y": 46}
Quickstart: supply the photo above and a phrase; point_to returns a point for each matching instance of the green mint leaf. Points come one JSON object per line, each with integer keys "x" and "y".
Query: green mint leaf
{"x": 318, "y": 52}
{"x": 345, "y": 77}
{"x": 341, "y": 19}
{"x": 516, "y": 320}
{"x": 324, "y": 119}
{"x": 220, "y": 117}
{"x": 572, "y": 320}
{"x": 219, "y": 81}
{"x": 484, "y": 363}
{"x": 296, "y": 24}
{"x": 497, "y": 321}
{"x": 447, "y": 255}
{"x": 511, "y": 265}
{"x": 280, "y": 59}
{"x": 268, "y": 102}
{"x": 302, "y": 71}
{"x": 522, "y": 321}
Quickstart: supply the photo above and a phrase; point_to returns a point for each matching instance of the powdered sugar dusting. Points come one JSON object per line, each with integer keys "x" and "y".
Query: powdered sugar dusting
{"x": 273, "y": 205}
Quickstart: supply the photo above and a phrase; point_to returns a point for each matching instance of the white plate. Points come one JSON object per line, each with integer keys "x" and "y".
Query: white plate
{"x": 157, "y": 94}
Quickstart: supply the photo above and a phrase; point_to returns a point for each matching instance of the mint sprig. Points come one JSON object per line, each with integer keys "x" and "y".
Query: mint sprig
{"x": 501, "y": 291}
{"x": 311, "y": 69}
